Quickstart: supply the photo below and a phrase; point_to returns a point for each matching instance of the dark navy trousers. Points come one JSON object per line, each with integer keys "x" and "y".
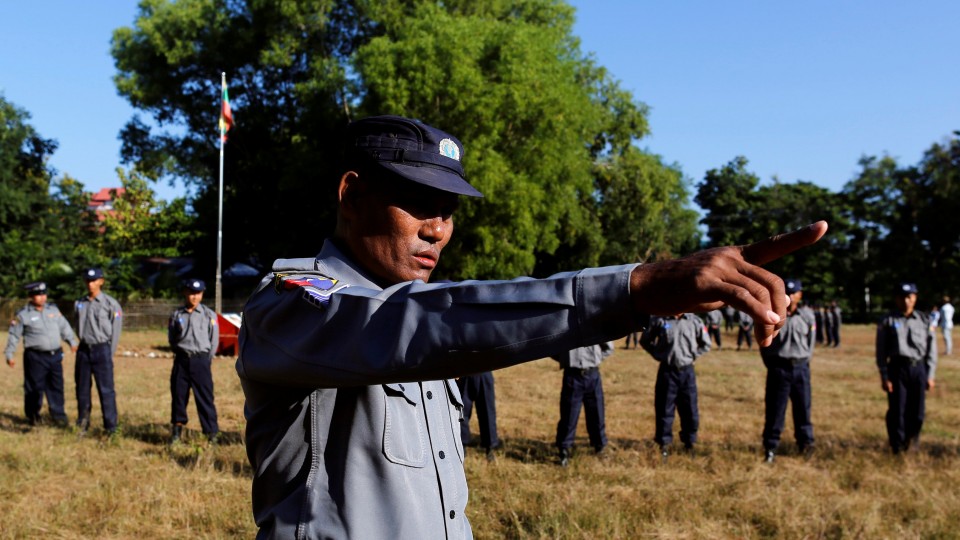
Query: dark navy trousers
{"x": 787, "y": 381}
{"x": 676, "y": 391}
{"x": 43, "y": 375}
{"x": 478, "y": 389}
{"x": 581, "y": 387}
{"x": 95, "y": 361}
{"x": 907, "y": 402}
{"x": 193, "y": 372}
{"x": 715, "y": 334}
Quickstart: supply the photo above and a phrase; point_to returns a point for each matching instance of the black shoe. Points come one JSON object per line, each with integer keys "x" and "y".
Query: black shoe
{"x": 769, "y": 456}
{"x": 491, "y": 455}
{"x": 83, "y": 425}
{"x": 213, "y": 438}
{"x": 564, "y": 457}
{"x": 602, "y": 453}
{"x": 806, "y": 450}
{"x": 175, "y": 433}
{"x": 664, "y": 454}
{"x": 690, "y": 449}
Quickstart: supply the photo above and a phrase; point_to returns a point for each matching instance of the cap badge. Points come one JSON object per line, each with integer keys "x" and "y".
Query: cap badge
{"x": 906, "y": 287}
{"x": 196, "y": 284}
{"x": 450, "y": 149}
{"x": 91, "y": 273}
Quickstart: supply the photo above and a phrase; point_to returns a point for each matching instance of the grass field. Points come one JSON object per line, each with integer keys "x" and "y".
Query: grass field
{"x": 54, "y": 484}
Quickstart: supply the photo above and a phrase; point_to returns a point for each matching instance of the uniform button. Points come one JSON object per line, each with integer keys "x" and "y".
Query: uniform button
{"x": 453, "y": 514}
{"x": 442, "y": 455}
{"x": 429, "y": 394}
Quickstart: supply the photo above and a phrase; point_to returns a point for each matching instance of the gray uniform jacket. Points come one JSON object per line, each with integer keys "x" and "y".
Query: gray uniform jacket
{"x": 676, "y": 342}
{"x": 796, "y": 338}
{"x": 99, "y": 320}
{"x": 908, "y": 338}
{"x": 194, "y": 333}
{"x": 342, "y": 439}
{"x": 41, "y": 330}
{"x": 585, "y": 357}
{"x": 714, "y": 318}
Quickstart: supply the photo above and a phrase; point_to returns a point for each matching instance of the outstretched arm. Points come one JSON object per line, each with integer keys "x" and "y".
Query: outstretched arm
{"x": 732, "y": 275}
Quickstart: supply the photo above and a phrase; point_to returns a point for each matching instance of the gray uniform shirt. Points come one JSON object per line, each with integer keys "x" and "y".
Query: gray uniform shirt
{"x": 99, "y": 320}
{"x": 194, "y": 332}
{"x": 676, "y": 342}
{"x": 909, "y": 338}
{"x": 40, "y": 329}
{"x": 342, "y": 439}
{"x": 714, "y": 318}
{"x": 796, "y": 338}
{"x": 585, "y": 357}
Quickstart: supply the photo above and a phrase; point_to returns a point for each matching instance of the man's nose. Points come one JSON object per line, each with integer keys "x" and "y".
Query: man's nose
{"x": 434, "y": 229}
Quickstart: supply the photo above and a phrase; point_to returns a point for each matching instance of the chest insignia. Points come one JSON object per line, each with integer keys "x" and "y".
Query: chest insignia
{"x": 317, "y": 290}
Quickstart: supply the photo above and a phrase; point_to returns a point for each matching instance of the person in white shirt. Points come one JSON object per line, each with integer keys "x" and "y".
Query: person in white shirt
{"x": 946, "y": 325}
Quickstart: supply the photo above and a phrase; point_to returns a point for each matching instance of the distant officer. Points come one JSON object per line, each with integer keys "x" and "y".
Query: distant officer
{"x": 635, "y": 336}
{"x": 788, "y": 375}
{"x": 479, "y": 389}
{"x": 193, "y": 334}
{"x": 818, "y": 317}
{"x": 946, "y": 325}
{"x": 836, "y": 322}
{"x": 42, "y": 327}
{"x": 582, "y": 385}
{"x": 907, "y": 360}
{"x": 713, "y": 320}
{"x": 676, "y": 342}
{"x": 99, "y": 322}
{"x": 745, "y": 330}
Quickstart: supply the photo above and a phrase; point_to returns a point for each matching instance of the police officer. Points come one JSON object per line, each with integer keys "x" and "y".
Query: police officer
{"x": 788, "y": 375}
{"x": 582, "y": 385}
{"x": 42, "y": 327}
{"x": 713, "y": 320}
{"x": 193, "y": 334}
{"x": 676, "y": 342}
{"x": 347, "y": 358}
{"x": 744, "y": 330}
{"x": 907, "y": 360}
{"x": 99, "y": 322}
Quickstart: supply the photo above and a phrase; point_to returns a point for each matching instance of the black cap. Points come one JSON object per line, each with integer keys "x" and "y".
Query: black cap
{"x": 906, "y": 288}
{"x": 194, "y": 285}
{"x": 91, "y": 274}
{"x": 413, "y": 150}
{"x": 35, "y": 288}
{"x": 792, "y": 285}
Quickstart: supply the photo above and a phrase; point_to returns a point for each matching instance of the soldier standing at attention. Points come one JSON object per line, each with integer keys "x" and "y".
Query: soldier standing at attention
{"x": 907, "y": 360}
{"x": 676, "y": 342}
{"x": 193, "y": 334}
{"x": 713, "y": 320}
{"x": 582, "y": 384}
{"x": 42, "y": 327}
{"x": 788, "y": 375}
{"x": 99, "y": 321}
{"x": 745, "y": 330}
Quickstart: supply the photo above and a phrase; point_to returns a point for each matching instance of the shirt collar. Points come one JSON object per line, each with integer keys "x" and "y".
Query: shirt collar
{"x": 333, "y": 263}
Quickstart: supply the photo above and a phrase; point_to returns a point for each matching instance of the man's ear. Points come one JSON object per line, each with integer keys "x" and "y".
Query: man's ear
{"x": 349, "y": 192}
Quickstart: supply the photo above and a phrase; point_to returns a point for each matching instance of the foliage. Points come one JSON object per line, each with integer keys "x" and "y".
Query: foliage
{"x": 507, "y": 77}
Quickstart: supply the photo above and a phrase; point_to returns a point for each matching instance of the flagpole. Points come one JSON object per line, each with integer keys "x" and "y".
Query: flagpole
{"x": 218, "y": 303}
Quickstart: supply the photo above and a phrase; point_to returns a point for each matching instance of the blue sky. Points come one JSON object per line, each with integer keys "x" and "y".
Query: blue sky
{"x": 802, "y": 90}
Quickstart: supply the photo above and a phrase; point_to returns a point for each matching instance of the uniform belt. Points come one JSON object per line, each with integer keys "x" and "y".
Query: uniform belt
{"x": 41, "y": 351}
{"x": 792, "y": 361}
{"x": 88, "y": 346}
{"x": 906, "y": 360}
{"x": 583, "y": 371}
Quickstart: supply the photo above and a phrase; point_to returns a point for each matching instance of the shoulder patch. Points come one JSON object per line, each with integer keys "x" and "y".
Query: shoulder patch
{"x": 317, "y": 289}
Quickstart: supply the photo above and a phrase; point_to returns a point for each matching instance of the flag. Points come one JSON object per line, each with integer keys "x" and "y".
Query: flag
{"x": 226, "y": 115}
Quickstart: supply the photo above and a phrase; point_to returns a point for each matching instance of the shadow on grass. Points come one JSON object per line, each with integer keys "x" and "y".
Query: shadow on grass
{"x": 13, "y": 423}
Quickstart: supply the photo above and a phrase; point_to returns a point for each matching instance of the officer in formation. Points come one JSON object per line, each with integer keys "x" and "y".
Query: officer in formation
{"x": 193, "y": 334}
{"x": 834, "y": 319}
{"x": 818, "y": 311}
{"x": 479, "y": 390}
{"x": 788, "y": 375}
{"x": 907, "y": 360}
{"x": 676, "y": 342}
{"x": 42, "y": 328}
{"x": 744, "y": 330}
{"x": 582, "y": 384}
{"x": 634, "y": 336}
{"x": 347, "y": 357}
{"x": 714, "y": 319}
{"x": 99, "y": 322}
{"x": 729, "y": 317}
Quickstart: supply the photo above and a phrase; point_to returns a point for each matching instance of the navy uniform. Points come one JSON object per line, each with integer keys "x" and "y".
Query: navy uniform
{"x": 788, "y": 375}
{"x": 676, "y": 342}
{"x": 713, "y": 319}
{"x": 193, "y": 334}
{"x": 42, "y": 328}
{"x": 479, "y": 390}
{"x": 353, "y": 417}
{"x": 907, "y": 361}
{"x": 836, "y": 322}
{"x": 99, "y": 322}
{"x": 744, "y": 330}
{"x": 582, "y": 385}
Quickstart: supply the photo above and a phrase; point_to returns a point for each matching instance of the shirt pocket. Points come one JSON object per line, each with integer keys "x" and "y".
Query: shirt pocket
{"x": 917, "y": 337}
{"x": 456, "y": 414}
{"x": 404, "y": 437}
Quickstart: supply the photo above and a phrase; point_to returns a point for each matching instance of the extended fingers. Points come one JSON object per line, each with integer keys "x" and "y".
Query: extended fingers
{"x": 777, "y": 246}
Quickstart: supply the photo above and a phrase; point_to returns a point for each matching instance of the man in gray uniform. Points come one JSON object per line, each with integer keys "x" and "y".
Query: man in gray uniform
{"x": 907, "y": 360}
{"x": 582, "y": 384}
{"x": 347, "y": 358}
{"x": 193, "y": 334}
{"x": 788, "y": 375}
{"x": 42, "y": 327}
{"x": 713, "y": 319}
{"x": 676, "y": 342}
{"x": 99, "y": 321}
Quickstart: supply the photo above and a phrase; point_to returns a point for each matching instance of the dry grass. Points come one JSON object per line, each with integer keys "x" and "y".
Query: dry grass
{"x": 54, "y": 484}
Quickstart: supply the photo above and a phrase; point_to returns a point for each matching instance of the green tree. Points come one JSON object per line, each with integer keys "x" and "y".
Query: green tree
{"x": 535, "y": 114}
{"x": 727, "y": 196}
